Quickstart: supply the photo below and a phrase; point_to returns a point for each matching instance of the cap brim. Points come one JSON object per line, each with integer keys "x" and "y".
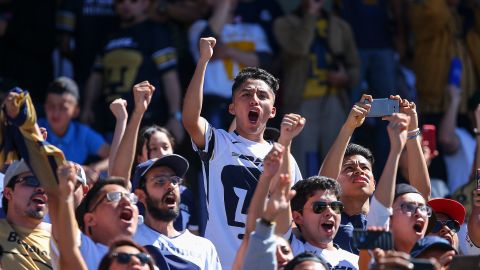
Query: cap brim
{"x": 176, "y": 162}
{"x": 452, "y": 208}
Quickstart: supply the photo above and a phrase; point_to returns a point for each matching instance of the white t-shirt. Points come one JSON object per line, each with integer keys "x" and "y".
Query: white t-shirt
{"x": 459, "y": 165}
{"x": 219, "y": 75}
{"x": 466, "y": 246}
{"x": 188, "y": 250}
{"x": 336, "y": 259}
{"x": 231, "y": 168}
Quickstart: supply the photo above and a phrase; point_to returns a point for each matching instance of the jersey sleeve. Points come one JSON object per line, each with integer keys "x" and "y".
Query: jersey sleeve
{"x": 164, "y": 53}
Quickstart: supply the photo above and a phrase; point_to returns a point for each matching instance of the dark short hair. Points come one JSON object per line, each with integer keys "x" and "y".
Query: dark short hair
{"x": 255, "y": 73}
{"x": 11, "y": 184}
{"x": 64, "y": 85}
{"x": 356, "y": 149}
{"x": 106, "y": 261}
{"x": 303, "y": 257}
{"x": 306, "y": 188}
{"x": 92, "y": 195}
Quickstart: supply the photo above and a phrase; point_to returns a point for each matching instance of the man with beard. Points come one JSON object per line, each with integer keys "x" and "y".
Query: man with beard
{"x": 24, "y": 237}
{"x": 157, "y": 186}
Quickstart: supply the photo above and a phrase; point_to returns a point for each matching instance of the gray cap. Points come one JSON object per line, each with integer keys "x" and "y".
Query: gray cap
{"x": 16, "y": 168}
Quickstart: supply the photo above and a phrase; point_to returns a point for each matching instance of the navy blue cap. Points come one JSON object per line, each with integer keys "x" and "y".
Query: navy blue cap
{"x": 429, "y": 242}
{"x": 403, "y": 188}
{"x": 175, "y": 162}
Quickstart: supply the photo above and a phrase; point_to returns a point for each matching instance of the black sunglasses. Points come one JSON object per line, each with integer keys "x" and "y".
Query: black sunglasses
{"x": 29, "y": 181}
{"x": 320, "y": 206}
{"x": 124, "y": 258}
{"x": 453, "y": 225}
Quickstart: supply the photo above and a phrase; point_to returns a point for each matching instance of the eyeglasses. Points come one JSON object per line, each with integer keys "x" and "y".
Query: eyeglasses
{"x": 453, "y": 225}
{"x": 319, "y": 207}
{"x": 411, "y": 209}
{"x": 125, "y": 258}
{"x": 162, "y": 179}
{"x": 29, "y": 181}
{"x": 116, "y": 196}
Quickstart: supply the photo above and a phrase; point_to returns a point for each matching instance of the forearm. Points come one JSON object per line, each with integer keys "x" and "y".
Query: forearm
{"x": 70, "y": 256}
{"x": 417, "y": 168}
{"x": 172, "y": 91}
{"x": 447, "y": 136}
{"x": 257, "y": 204}
{"x": 219, "y": 16}
{"x": 101, "y": 165}
{"x": 92, "y": 90}
{"x": 120, "y": 126}
{"x": 126, "y": 151}
{"x": 385, "y": 189}
{"x": 284, "y": 217}
{"x": 332, "y": 164}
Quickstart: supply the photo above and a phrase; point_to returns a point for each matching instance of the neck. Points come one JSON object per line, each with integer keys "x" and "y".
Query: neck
{"x": 164, "y": 227}
{"x": 355, "y": 205}
{"x": 26, "y": 222}
{"x": 125, "y": 24}
{"x": 403, "y": 246}
{"x": 323, "y": 245}
{"x": 60, "y": 132}
{"x": 256, "y": 137}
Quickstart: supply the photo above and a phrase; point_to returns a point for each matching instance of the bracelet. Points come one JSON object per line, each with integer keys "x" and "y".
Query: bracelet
{"x": 413, "y": 134}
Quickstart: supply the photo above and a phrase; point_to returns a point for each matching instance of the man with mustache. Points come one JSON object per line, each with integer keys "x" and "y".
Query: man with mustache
{"x": 156, "y": 182}
{"x": 24, "y": 236}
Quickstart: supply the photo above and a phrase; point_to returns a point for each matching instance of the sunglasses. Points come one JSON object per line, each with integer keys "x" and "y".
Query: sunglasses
{"x": 116, "y": 196}
{"x": 162, "y": 179}
{"x": 411, "y": 209}
{"x": 125, "y": 258}
{"x": 453, "y": 225}
{"x": 29, "y": 181}
{"x": 320, "y": 206}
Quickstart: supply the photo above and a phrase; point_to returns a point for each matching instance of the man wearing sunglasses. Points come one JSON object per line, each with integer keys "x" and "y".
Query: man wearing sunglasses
{"x": 157, "y": 183}
{"x": 316, "y": 210}
{"x": 24, "y": 236}
{"x": 448, "y": 216}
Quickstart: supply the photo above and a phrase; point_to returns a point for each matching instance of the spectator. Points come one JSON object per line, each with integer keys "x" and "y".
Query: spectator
{"x": 24, "y": 236}
{"x": 307, "y": 260}
{"x": 157, "y": 182}
{"x": 320, "y": 63}
{"x": 239, "y": 44}
{"x": 434, "y": 247}
{"x": 449, "y": 216}
{"x": 141, "y": 50}
{"x": 232, "y": 160}
{"x": 316, "y": 212}
{"x": 126, "y": 252}
{"x": 78, "y": 142}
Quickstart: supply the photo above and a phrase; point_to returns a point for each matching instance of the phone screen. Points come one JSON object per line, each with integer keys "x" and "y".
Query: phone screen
{"x": 372, "y": 239}
{"x": 383, "y": 107}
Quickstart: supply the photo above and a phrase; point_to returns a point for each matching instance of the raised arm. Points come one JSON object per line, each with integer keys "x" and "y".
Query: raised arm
{"x": 92, "y": 92}
{"x": 173, "y": 95}
{"x": 119, "y": 110}
{"x": 447, "y": 137}
{"x": 142, "y": 94}
{"x": 192, "y": 104}
{"x": 332, "y": 164}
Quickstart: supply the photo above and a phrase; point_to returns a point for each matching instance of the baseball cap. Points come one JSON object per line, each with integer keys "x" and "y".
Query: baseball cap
{"x": 16, "y": 168}
{"x": 176, "y": 162}
{"x": 64, "y": 85}
{"x": 403, "y": 188}
{"x": 428, "y": 242}
{"x": 451, "y": 208}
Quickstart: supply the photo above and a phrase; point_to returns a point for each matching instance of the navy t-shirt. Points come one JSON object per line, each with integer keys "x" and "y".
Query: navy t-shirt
{"x": 344, "y": 236}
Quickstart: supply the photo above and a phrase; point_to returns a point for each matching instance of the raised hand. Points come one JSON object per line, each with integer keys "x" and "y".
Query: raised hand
{"x": 292, "y": 124}
{"x": 206, "y": 47}
{"x": 280, "y": 198}
{"x": 409, "y": 108}
{"x": 397, "y": 130}
{"x": 273, "y": 160}
{"x": 119, "y": 109}
{"x": 142, "y": 94}
{"x": 67, "y": 174}
{"x": 359, "y": 111}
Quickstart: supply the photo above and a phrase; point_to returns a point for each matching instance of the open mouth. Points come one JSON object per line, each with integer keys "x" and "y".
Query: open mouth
{"x": 418, "y": 226}
{"x": 328, "y": 226}
{"x": 170, "y": 199}
{"x": 126, "y": 214}
{"x": 39, "y": 199}
{"x": 253, "y": 116}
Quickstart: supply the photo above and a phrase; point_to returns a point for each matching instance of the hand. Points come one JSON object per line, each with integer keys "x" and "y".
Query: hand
{"x": 119, "y": 109}
{"x": 11, "y": 104}
{"x": 206, "y": 47}
{"x": 280, "y": 198}
{"x": 359, "y": 111}
{"x": 142, "y": 94}
{"x": 44, "y": 133}
{"x": 397, "y": 130}
{"x": 409, "y": 108}
{"x": 91, "y": 174}
{"x": 67, "y": 177}
{"x": 391, "y": 260}
{"x": 176, "y": 127}
{"x": 273, "y": 160}
{"x": 446, "y": 258}
{"x": 292, "y": 124}
{"x": 338, "y": 79}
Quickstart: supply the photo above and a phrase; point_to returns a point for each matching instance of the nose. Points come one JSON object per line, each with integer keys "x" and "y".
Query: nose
{"x": 445, "y": 230}
{"x": 254, "y": 100}
{"x": 134, "y": 261}
{"x": 39, "y": 189}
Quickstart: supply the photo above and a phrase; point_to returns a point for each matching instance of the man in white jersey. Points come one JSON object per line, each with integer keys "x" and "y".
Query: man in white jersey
{"x": 156, "y": 182}
{"x": 316, "y": 211}
{"x": 232, "y": 162}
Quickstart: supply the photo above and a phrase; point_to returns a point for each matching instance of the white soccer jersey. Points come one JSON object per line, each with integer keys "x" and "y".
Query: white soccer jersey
{"x": 336, "y": 259}
{"x": 231, "y": 169}
{"x": 185, "y": 251}
{"x": 247, "y": 37}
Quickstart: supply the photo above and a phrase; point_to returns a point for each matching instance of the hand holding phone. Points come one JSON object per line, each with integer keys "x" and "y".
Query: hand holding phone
{"x": 383, "y": 107}
{"x": 429, "y": 137}
{"x": 372, "y": 239}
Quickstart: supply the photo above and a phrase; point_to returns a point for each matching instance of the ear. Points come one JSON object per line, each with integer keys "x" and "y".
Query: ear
{"x": 89, "y": 220}
{"x": 231, "y": 109}
{"x": 141, "y": 195}
{"x": 297, "y": 217}
{"x": 8, "y": 193}
{"x": 273, "y": 112}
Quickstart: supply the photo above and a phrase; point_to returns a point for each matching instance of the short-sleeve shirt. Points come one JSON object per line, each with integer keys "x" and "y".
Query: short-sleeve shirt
{"x": 78, "y": 143}
{"x": 231, "y": 169}
{"x": 344, "y": 236}
{"x": 188, "y": 217}
{"x": 25, "y": 248}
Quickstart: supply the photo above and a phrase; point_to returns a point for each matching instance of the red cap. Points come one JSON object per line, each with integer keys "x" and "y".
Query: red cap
{"x": 449, "y": 207}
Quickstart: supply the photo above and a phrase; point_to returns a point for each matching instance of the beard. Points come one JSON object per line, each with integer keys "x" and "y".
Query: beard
{"x": 157, "y": 213}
